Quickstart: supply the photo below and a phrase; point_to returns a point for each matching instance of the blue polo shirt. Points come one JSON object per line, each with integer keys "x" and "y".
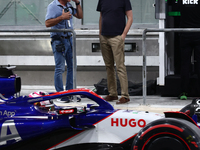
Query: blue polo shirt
{"x": 54, "y": 10}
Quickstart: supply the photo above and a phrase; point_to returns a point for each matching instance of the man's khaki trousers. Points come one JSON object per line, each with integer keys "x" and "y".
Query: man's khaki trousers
{"x": 112, "y": 48}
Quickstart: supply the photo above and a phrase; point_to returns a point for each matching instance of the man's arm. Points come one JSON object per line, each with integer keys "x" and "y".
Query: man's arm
{"x": 54, "y": 21}
{"x": 100, "y": 19}
{"x": 79, "y": 13}
{"x": 129, "y": 15}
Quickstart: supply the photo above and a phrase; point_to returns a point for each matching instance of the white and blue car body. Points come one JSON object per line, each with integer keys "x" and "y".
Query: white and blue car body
{"x": 26, "y": 124}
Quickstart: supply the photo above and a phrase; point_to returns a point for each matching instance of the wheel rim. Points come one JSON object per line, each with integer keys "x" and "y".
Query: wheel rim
{"x": 166, "y": 143}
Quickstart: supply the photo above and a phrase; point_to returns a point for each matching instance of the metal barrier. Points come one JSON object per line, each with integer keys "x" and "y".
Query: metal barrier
{"x": 144, "y": 70}
{"x": 57, "y": 30}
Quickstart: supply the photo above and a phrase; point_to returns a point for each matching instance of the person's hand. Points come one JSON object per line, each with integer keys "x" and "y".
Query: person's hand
{"x": 123, "y": 37}
{"x": 66, "y": 15}
{"x": 76, "y": 1}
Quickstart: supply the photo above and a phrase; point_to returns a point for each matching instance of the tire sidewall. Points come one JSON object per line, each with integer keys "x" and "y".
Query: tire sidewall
{"x": 184, "y": 131}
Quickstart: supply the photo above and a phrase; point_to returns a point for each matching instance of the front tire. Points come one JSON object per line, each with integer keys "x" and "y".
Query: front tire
{"x": 168, "y": 134}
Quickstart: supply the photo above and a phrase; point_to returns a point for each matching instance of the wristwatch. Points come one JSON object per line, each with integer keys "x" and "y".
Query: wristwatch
{"x": 78, "y": 3}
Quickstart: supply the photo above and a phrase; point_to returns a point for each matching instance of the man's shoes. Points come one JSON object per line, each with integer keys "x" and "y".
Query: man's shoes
{"x": 123, "y": 100}
{"x": 183, "y": 96}
{"x": 110, "y": 98}
{"x": 64, "y": 99}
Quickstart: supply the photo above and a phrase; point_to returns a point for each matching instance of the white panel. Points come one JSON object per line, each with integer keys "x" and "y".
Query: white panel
{"x": 81, "y": 60}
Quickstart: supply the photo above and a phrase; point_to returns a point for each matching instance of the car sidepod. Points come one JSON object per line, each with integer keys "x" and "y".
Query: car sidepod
{"x": 118, "y": 128}
{"x": 168, "y": 134}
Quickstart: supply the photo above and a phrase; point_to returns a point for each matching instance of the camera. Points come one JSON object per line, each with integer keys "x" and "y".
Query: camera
{"x": 66, "y": 9}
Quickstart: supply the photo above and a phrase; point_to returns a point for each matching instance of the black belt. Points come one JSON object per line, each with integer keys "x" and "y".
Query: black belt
{"x": 65, "y": 37}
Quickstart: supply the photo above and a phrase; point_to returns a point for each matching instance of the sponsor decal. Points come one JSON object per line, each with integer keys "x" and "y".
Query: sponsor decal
{"x": 45, "y": 102}
{"x": 7, "y": 113}
{"x": 5, "y": 136}
{"x": 135, "y": 112}
{"x": 69, "y": 111}
{"x": 123, "y": 122}
{"x": 35, "y": 100}
{"x": 189, "y": 138}
{"x": 190, "y": 2}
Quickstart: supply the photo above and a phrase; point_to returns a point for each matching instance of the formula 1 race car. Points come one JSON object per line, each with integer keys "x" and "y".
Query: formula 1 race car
{"x": 34, "y": 122}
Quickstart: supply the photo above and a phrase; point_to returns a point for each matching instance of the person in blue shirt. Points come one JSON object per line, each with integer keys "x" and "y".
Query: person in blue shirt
{"x": 60, "y": 16}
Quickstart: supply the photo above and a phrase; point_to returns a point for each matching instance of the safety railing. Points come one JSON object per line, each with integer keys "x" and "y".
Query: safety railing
{"x": 144, "y": 69}
{"x": 57, "y": 30}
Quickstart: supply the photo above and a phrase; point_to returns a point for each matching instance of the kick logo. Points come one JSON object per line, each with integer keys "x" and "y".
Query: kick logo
{"x": 9, "y": 125}
{"x": 190, "y": 2}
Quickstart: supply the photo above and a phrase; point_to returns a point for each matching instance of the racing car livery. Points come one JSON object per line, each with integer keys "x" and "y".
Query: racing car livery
{"x": 35, "y": 122}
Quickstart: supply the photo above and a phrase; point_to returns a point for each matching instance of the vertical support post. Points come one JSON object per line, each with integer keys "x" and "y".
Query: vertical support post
{"x": 144, "y": 68}
{"x": 15, "y": 12}
{"x": 161, "y": 54}
{"x": 74, "y": 59}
